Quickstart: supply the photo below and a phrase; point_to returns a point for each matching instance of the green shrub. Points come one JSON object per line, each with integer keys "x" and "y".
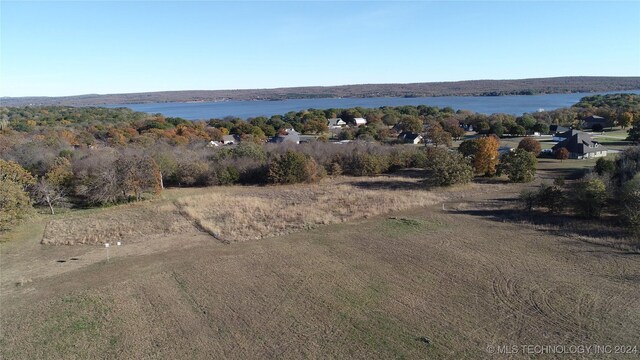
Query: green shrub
{"x": 550, "y": 197}
{"x": 362, "y": 163}
{"x": 294, "y": 167}
{"x": 604, "y": 166}
{"x": 518, "y": 165}
{"x": 449, "y": 169}
{"x": 589, "y": 198}
{"x": 630, "y": 204}
{"x": 15, "y": 204}
{"x": 529, "y": 199}
{"x": 228, "y": 176}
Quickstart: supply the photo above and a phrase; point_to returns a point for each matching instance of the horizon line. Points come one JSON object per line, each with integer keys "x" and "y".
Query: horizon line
{"x": 311, "y": 86}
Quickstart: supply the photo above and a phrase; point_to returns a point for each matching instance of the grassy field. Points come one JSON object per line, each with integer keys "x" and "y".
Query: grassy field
{"x": 437, "y": 274}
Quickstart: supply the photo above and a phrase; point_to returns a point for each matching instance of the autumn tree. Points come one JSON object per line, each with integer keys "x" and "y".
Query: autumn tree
{"x": 12, "y": 171}
{"x": 530, "y": 145}
{"x": 137, "y": 174}
{"x": 487, "y": 157}
{"x": 15, "y": 204}
{"x": 315, "y": 126}
{"x": 562, "y": 154}
{"x": 438, "y": 136}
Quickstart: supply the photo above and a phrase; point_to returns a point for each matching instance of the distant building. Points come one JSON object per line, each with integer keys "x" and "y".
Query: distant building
{"x": 289, "y": 135}
{"x": 336, "y": 123}
{"x": 593, "y": 120}
{"x": 581, "y": 146}
{"x": 360, "y": 121}
{"x": 410, "y": 137}
{"x": 560, "y": 135}
{"x": 229, "y": 140}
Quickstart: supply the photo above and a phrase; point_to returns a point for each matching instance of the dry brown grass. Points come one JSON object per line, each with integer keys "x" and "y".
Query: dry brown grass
{"x": 130, "y": 223}
{"x": 276, "y": 210}
{"x": 235, "y": 213}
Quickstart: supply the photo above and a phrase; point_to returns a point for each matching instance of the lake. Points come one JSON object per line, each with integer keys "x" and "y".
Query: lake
{"x": 510, "y": 104}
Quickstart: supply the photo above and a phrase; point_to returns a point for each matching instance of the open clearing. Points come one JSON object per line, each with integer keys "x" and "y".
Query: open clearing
{"x": 374, "y": 286}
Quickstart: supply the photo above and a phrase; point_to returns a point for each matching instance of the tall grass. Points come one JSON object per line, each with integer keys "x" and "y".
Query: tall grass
{"x": 277, "y": 210}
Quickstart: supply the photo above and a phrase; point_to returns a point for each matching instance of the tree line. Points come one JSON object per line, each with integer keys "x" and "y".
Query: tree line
{"x": 95, "y": 156}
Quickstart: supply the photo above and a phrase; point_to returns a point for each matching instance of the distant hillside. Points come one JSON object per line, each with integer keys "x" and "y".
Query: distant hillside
{"x": 458, "y": 88}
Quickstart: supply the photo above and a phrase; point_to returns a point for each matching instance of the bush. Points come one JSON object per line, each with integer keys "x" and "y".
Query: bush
{"x": 362, "y": 163}
{"x": 519, "y": 165}
{"x": 529, "y": 199}
{"x": 469, "y": 148}
{"x": 590, "y": 197}
{"x": 550, "y": 197}
{"x": 15, "y": 204}
{"x": 228, "y": 175}
{"x": 335, "y": 169}
{"x": 192, "y": 173}
{"x": 627, "y": 165}
{"x": 604, "y": 166}
{"x": 450, "y": 168}
{"x": 630, "y": 204}
{"x": 294, "y": 167}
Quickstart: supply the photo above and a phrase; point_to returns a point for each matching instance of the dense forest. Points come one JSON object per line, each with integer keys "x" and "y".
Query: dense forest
{"x": 91, "y": 156}
{"x": 458, "y": 88}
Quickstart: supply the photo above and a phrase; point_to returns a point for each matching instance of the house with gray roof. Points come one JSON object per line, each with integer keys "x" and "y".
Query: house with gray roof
{"x": 581, "y": 146}
{"x": 336, "y": 123}
{"x": 557, "y": 131}
{"x": 289, "y": 135}
{"x": 410, "y": 137}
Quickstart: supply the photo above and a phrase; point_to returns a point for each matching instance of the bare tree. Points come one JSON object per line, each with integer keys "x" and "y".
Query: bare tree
{"x": 48, "y": 193}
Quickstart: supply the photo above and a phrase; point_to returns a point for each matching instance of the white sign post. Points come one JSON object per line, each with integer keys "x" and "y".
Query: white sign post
{"x": 107, "y": 246}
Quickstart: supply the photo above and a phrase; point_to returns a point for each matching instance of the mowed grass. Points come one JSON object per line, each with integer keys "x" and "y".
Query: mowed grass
{"x": 403, "y": 278}
{"x": 422, "y": 283}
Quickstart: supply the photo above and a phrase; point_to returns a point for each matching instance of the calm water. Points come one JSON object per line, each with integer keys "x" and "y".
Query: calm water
{"x": 512, "y": 104}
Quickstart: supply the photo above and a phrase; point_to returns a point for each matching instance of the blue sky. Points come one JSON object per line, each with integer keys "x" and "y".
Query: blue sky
{"x": 68, "y": 48}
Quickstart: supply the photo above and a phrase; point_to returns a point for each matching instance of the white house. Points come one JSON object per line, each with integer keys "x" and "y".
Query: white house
{"x": 360, "y": 121}
{"x": 409, "y": 137}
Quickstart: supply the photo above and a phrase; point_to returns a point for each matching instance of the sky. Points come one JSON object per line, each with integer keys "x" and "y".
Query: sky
{"x": 52, "y": 48}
